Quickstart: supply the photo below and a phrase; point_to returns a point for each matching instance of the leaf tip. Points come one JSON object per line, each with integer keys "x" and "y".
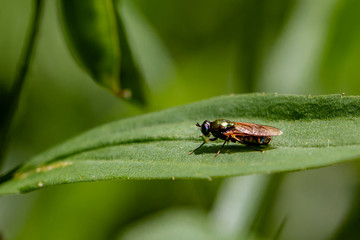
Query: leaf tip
{"x": 123, "y": 93}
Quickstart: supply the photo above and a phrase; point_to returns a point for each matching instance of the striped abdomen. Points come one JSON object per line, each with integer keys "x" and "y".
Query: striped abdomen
{"x": 257, "y": 140}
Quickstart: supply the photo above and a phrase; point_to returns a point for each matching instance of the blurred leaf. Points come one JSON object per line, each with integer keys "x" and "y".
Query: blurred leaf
{"x": 237, "y": 205}
{"x": 147, "y": 47}
{"x": 172, "y": 224}
{"x": 349, "y": 228}
{"x": 91, "y": 31}
{"x": 130, "y": 74}
{"x": 4, "y": 105}
{"x": 290, "y": 65}
{"x": 75, "y": 201}
{"x": 259, "y": 25}
{"x": 122, "y": 203}
{"x": 11, "y": 100}
{"x": 263, "y": 223}
{"x": 318, "y": 131}
{"x": 339, "y": 71}
{"x": 279, "y": 229}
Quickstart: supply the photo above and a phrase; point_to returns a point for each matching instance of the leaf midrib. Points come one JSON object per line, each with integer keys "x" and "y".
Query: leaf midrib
{"x": 71, "y": 155}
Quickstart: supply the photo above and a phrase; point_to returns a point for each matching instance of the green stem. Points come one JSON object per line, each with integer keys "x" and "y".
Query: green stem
{"x": 14, "y": 96}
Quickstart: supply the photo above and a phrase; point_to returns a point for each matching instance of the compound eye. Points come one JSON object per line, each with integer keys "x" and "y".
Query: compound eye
{"x": 205, "y": 128}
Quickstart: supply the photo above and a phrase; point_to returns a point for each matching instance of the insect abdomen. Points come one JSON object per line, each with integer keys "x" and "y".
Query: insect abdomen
{"x": 256, "y": 140}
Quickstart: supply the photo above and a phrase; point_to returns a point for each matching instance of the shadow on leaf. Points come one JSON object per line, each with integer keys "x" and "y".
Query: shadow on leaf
{"x": 232, "y": 148}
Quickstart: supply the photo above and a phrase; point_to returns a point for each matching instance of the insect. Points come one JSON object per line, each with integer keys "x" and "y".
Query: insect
{"x": 249, "y": 134}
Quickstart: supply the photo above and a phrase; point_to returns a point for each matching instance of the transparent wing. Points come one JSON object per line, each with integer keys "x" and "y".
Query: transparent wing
{"x": 242, "y": 128}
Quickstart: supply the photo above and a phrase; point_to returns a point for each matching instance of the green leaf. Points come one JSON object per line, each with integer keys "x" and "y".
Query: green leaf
{"x": 10, "y": 100}
{"x": 130, "y": 74}
{"x": 91, "y": 32}
{"x": 318, "y": 131}
{"x": 146, "y": 47}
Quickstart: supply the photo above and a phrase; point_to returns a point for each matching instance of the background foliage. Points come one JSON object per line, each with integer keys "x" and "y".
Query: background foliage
{"x": 187, "y": 51}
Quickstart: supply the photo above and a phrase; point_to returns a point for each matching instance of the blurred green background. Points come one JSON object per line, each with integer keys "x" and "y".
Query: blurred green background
{"x": 188, "y": 51}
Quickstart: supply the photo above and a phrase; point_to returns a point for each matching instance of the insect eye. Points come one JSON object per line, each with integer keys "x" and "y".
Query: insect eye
{"x": 205, "y": 128}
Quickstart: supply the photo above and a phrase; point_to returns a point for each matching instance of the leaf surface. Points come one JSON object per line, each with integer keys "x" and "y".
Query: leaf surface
{"x": 317, "y": 131}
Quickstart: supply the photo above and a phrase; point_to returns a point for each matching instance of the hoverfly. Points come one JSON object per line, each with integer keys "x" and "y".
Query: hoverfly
{"x": 249, "y": 134}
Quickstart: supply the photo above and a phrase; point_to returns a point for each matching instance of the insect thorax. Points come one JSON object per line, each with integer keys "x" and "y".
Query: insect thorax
{"x": 221, "y": 125}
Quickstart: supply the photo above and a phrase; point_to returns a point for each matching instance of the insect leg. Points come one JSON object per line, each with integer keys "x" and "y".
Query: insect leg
{"x": 221, "y": 148}
{"x": 242, "y": 142}
{"x": 209, "y": 139}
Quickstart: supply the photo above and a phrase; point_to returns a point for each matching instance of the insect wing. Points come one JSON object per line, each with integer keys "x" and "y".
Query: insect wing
{"x": 254, "y": 129}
